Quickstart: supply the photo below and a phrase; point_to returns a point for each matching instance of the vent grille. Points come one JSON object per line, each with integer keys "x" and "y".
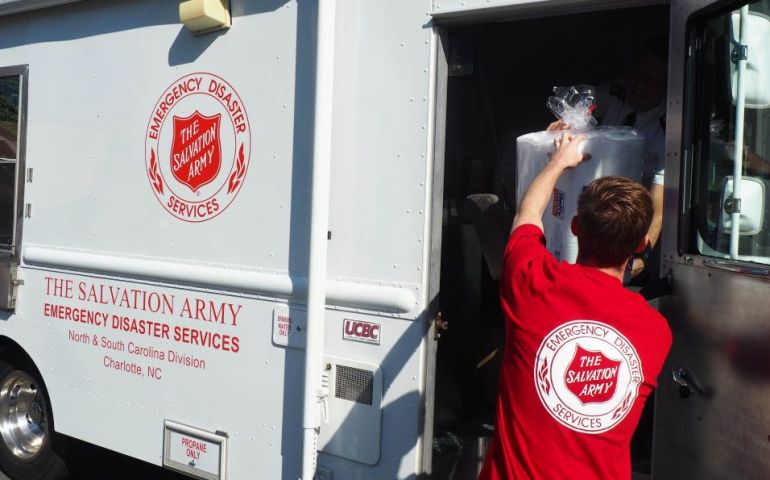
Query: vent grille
{"x": 354, "y": 384}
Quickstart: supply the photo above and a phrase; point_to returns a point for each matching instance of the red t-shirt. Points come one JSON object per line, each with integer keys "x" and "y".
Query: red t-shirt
{"x": 582, "y": 355}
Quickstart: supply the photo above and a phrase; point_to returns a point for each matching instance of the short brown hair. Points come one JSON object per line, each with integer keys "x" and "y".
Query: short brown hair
{"x": 613, "y": 215}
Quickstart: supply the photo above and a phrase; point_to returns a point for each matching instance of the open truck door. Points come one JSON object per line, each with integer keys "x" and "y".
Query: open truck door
{"x": 711, "y": 416}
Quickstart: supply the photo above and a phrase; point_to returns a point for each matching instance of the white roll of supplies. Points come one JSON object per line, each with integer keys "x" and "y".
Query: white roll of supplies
{"x": 614, "y": 151}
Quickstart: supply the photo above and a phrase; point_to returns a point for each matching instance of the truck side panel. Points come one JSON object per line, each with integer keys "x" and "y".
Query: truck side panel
{"x": 113, "y": 277}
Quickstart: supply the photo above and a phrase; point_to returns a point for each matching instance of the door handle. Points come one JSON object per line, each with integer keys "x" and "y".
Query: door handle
{"x": 681, "y": 376}
{"x": 684, "y": 377}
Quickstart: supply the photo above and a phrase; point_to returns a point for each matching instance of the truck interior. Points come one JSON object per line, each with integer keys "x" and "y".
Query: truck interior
{"x": 500, "y": 74}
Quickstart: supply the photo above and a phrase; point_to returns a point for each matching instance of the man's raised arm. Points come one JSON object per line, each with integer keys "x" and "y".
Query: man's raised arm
{"x": 538, "y": 194}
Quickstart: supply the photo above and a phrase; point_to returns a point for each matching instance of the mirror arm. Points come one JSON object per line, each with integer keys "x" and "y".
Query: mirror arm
{"x": 740, "y": 105}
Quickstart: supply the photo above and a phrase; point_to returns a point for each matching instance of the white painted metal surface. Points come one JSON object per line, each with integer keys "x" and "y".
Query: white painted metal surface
{"x": 8, "y": 7}
{"x": 397, "y": 300}
{"x": 99, "y": 246}
{"x": 314, "y": 394}
{"x": 352, "y": 419}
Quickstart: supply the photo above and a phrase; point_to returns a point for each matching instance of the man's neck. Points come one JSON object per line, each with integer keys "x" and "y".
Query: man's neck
{"x": 616, "y": 272}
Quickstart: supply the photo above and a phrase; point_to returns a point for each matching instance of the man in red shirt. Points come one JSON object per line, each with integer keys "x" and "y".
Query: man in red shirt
{"x": 582, "y": 353}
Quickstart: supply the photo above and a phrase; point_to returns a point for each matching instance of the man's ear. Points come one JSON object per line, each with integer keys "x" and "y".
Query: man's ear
{"x": 574, "y": 226}
{"x": 643, "y": 244}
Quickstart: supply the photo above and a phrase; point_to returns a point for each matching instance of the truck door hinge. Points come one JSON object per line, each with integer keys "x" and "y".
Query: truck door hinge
{"x": 14, "y": 283}
{"x": 441, "y": 325}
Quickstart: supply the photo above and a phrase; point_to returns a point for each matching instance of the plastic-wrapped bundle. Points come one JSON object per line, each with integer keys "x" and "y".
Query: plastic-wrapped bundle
{"x": 574, "y": 105}
{"x": 614, "y": 151}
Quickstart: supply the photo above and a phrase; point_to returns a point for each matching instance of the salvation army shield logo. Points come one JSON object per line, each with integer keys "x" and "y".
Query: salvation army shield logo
{"x": 592, "y": 376}
{"x": 195, "y": 152}
{"x": 587, "y": 375}
{"x": 197, "y": 147}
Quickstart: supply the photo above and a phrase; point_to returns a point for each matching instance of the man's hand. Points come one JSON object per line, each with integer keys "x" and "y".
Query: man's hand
{"x": 535, "y": 201}
{"x": 557, "y": 126}
{"x": 567, "y": 151}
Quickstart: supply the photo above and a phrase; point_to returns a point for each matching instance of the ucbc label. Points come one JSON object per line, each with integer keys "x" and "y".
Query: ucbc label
{"x": 359, "y": 331}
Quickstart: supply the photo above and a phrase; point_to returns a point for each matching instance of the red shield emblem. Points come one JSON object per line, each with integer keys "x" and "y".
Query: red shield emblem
{"x": 592, "y": 376}
{"x": 196, "y": 154}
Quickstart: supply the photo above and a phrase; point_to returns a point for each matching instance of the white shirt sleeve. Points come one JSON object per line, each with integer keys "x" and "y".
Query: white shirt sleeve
{"x": 659, "y": 151}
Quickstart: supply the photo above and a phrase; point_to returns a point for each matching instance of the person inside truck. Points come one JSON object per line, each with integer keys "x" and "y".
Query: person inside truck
{"x": 639, "y": 101}
{"x": 582, "y": 353}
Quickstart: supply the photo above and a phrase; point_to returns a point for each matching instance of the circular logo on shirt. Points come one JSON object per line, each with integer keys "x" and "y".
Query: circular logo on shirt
{"x": 587, "y": 374}
{"x": 197, "y": 147}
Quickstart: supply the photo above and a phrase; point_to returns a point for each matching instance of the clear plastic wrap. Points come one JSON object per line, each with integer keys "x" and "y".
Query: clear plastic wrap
{"x": 614, "y": 151}
{"x": 574, "y": 105}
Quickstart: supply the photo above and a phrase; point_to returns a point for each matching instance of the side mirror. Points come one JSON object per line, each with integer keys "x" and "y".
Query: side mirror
{"x": 752, "y": 207}
{"x": 757, "y": 53}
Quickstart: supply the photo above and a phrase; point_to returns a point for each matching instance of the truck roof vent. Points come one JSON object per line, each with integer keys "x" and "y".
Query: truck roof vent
{"x": 354, "y": 384}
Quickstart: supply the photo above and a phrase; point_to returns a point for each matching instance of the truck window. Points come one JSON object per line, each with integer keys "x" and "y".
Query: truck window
{"x": 9, "y": 148}
{"x": 731, "y": 137}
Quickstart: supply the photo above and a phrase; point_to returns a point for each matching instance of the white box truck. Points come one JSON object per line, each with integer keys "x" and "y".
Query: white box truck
{"x": 233, "y": 233}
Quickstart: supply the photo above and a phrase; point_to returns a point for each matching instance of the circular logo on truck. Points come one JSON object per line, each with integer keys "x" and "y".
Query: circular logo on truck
{"x": 587, "y": 375}
{"x": 197, "y": 147}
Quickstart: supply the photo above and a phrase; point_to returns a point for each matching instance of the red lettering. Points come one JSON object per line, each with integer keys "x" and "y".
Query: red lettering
{"x": 363, "y": 330}
{"x": 192, "y": 210}
{"x": 216, "y": 341}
